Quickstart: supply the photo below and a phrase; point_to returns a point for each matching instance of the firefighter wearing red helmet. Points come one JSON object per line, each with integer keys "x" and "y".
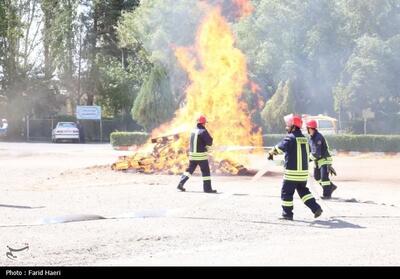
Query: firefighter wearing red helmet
{"x": 322, "y": 159}
{"x": 296, "y": 149}
{"x": 200, "y": 141}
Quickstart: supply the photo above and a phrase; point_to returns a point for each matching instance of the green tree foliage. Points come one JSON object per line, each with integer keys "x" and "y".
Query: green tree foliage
{"x": 119, "y": 85}
{"x": 283, "y": 102}
{"x": 364, "y": 81}
{"x": 341, "y": 57}
{"x": 159, "y": 26}
{"x": 342, "y": 64}
{"x": 155, "y": 104}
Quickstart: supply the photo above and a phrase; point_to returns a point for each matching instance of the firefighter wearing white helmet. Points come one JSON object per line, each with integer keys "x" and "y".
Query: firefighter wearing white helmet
{"x": 296, "y": 149}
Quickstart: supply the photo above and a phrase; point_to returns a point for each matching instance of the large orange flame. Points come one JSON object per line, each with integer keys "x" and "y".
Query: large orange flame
{"x": 218, "y": 75}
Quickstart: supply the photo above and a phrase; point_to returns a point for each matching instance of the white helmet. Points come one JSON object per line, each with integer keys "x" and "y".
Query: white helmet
{"x": 4, "y": 120}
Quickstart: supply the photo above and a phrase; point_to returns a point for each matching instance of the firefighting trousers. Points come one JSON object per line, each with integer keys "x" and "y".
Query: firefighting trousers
{"x": 205, "y": 172}
{"x": 321, "y": 175}
{"x": 287, "y": 193}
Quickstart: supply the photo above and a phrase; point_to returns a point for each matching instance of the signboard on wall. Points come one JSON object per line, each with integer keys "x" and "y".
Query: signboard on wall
{"x": 88, "y": 112}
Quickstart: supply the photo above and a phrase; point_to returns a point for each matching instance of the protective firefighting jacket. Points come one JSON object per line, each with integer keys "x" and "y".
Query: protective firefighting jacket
{"x": 319, "y": 150}
{"x": 200, "y": 140}
{"x": 296, "y": 149}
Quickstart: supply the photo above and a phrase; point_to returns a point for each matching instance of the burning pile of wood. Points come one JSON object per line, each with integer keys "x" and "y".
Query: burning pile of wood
{"x": 169, "y": 158}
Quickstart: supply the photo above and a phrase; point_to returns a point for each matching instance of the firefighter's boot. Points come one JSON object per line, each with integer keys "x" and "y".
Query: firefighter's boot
{"x": 180, "y": 187}
{"x": 211, "y": 191}
{"x": 318, "y": 212}
{"x": 286, "y": 217}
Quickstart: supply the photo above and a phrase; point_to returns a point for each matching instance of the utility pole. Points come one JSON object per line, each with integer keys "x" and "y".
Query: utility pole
{"x": 79, "y": 65}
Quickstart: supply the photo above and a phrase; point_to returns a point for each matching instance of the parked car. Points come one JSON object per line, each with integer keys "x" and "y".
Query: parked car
{"x": 65, "y": 131}
{"x": 3, "y": 128}
{"x": 325, "y": 124}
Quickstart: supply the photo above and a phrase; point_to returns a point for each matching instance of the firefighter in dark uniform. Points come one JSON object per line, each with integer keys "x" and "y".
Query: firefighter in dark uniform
{"x": 296, "y": 149}
{"x": 322, "y": 159}
{"x": 200, "y": 141}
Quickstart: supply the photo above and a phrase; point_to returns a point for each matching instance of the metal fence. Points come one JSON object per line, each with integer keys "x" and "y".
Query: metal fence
{"x": 94, "y": 130}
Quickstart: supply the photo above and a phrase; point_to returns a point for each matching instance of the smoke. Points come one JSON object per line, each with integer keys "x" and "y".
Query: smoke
{"x": 165, "y": 25}
{"x": 310, "y": 42}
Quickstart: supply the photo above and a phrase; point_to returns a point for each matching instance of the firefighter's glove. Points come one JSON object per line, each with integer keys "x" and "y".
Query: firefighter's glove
{"x": 331, "y": 170}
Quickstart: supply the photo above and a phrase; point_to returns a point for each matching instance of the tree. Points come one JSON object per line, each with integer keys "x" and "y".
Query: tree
{"x": 158, "y": 26}
{"x": 119, "y": 85}
{"x": 103, "y": 42}
{"x": 364, "y": 82}
{"x": 155, "y": 104}
{"x": 282, "y": 103}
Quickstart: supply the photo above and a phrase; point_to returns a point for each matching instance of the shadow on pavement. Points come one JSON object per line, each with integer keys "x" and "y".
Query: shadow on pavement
{"x": 21, "y": 206}
{"x": 334, "y": 223}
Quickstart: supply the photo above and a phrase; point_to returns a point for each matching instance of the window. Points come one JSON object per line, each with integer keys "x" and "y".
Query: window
{"x": 66, "y": 125}
{"x": 325, "y": 124}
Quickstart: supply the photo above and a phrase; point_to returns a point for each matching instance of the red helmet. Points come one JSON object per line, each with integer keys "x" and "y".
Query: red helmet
{"x": 294, "y": 120}
{"x": 312, "y": 124}
{"x": 202, "y": 119}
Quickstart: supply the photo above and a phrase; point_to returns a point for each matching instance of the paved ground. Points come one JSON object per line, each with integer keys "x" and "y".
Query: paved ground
{"x": 147, "y": 222}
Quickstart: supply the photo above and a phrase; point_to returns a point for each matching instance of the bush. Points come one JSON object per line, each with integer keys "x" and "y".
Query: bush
{"x": 367, "y": 143}
{"x": 361, "y": 143}
{"x": 128, "y": 138}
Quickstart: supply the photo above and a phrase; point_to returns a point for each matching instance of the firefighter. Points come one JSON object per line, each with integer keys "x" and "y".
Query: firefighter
{"x": 296, "y": 149}
{"x": 322, "y": 159}
{"x": 200, "y": 142}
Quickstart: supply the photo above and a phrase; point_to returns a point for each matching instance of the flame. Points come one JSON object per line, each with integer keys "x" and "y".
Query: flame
{"x": 254, "y": 87}
{"x": 217, "y": 72}
{"x": 245, "y": 7}
{"x": 218, "y": 75}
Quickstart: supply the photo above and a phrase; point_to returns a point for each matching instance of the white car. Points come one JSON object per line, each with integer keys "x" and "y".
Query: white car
{"x": 65, "y": 131}
{"x": 3, "y": 128}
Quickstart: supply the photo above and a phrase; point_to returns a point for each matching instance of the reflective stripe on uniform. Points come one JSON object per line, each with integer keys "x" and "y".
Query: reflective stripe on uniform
{"x": 287, "y": 203}
{"x": 205, "y": 178}
{"x": 296, "y": 172}
{"x": 307, "y": 197}
{"x": 278, "y": 149}
{"x": 294, "y": 175}
{"x": 198, "y": 156}
{"x": 325, "y": 183}
{"x": 196, "y": 135}
{"x": 324, "y": 161}
{"x": 186, "y": 173}
{"x": 301, "y": 141}
{"x": 299, "y": 156}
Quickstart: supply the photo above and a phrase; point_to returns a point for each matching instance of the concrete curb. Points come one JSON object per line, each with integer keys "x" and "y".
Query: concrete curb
{"x": 125, "y": 148}
{"x": 357, "y": 153}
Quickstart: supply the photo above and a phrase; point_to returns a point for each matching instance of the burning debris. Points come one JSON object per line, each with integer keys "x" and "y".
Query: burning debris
{"x": 165, "y": 153}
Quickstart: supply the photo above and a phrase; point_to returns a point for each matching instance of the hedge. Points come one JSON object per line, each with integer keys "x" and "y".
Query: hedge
{"x": 128, "y": 138}
{"x": 346, "y": 142}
